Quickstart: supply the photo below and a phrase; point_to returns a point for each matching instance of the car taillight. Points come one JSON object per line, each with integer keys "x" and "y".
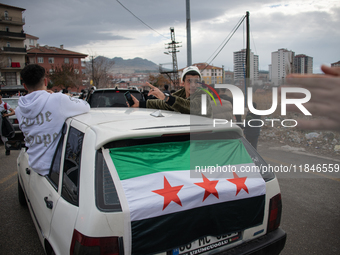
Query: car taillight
{"x": 82, "y": 244}
{"x": 275, "y": 210}
{"x": 16, "y": 121}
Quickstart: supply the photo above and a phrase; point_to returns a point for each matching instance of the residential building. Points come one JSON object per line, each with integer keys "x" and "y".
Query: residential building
{"x": 12, "y": 50}
{"x": 281, "y": 65}
{"x": 240, "y": 66}
{"x": 210, "y": 74}
{"x": 303, "y": 64}
{"x": 31, "y": 41}
{"x": 264, "y": 76}
{"x": 229, "y": 77}
{"x": 49, "y": 57}
{"x": 335, "y": 64}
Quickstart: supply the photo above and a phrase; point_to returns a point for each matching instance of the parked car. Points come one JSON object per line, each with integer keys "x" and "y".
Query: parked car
{"x": 111, "y": 97}
{"x": 124, "y": 181}
{"x": 13, "y": 102}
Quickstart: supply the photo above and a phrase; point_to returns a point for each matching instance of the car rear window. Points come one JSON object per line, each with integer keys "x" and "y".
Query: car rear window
{"x": 111, "y": 98}
{"x": 246, "y": 154}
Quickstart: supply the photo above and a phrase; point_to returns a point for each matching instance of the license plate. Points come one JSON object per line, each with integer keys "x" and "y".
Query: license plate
{"x": 206, "y": 244}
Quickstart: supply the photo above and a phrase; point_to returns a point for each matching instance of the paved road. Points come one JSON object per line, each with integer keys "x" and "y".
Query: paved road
{"x": 311, "y": 207}
{"x": 311, "y": 203}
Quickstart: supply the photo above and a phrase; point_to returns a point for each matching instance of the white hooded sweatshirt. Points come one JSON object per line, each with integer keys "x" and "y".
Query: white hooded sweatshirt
{"x": 41, "y": 116}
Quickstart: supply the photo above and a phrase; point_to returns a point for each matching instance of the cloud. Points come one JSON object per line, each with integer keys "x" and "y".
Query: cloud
{"x": 104, "y": 26}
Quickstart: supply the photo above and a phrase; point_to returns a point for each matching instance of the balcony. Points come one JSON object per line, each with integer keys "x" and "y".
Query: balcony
{"x": 12, "y": 35}
{"x": 12, "y": 20}
{"x": 13, "y": 50}
{"x": 13, "y": 66}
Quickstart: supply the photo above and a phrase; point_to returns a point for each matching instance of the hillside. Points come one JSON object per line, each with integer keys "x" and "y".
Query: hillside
{"x": 131, "y": 65}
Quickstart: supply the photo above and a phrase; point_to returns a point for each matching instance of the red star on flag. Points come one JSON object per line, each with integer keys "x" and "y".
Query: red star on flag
{"x": 209, "y": 187}
{"x": 239, "y": 182}
{"x": 169, "y": 193}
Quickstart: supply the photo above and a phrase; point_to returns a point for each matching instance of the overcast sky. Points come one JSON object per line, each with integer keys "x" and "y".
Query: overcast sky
{"x": 104, "y": 27}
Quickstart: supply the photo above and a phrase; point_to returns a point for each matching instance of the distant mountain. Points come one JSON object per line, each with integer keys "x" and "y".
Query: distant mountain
{"x": 131, "y": 65}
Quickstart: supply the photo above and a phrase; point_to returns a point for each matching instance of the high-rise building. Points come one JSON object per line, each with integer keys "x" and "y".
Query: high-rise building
{"x": 240, "y": 66}
{"x": 303, "y": 64}
{"x": 281, "y": 66}
{"x": 13, "y": 51}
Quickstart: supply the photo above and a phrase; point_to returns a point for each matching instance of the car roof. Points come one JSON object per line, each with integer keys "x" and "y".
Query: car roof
{"x": 114, "y": 89}
{"x": 111, "y": 124}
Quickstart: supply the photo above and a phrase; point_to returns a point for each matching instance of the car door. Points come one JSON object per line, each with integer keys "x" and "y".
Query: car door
{"x": 44, "y": 198}
{"x": 64, "y": 218}
{"x": 44, "y": 192}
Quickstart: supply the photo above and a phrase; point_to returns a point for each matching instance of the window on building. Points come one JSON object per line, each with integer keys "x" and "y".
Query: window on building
{"x": 31, "y": 42}
{"x": 8, "y": 44}
{"x": 75, "y": 61}
{"x": 76, "y": 71}
{"x": 51, "y": 60}
{"x": 7, "y": 29}
{"x": 6, "y": 15}
{"x": 66, "y": 60}
{"x": 40, "y": 60}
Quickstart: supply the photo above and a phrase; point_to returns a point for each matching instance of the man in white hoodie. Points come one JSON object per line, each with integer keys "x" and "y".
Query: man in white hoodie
{"x": 41, "y": 115}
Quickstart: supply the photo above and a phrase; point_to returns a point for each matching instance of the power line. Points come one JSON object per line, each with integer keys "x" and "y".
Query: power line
{"x": 141, "y": 20}
{"x": 226, "y": 40}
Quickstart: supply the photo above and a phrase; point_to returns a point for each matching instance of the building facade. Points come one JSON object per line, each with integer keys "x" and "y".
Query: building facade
{"x": 303, "y": 64}
{"x": 49, "y": 57}
{"x": 31, "y": 41}
{"x": 210, "y": 74}
{"x": 12, "y": 49}
{"x": 281, "y": 65}
{"x": 240, "y": 67}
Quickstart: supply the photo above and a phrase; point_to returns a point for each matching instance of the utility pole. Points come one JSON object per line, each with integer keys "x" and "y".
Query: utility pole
{"x": 92, "y": 62}
{"x": 247, "y": 83}
{"x": 189, "y": 57}
{"x": 172, "y": 49}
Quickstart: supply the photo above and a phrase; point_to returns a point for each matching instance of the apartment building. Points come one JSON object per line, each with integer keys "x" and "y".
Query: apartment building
{"x": 210, "y": 74}
{"x": 12, "y": 49}
{"x": 31, "y": 41}
{"x": 49, "y": 56}
{"x": 281, "y": 65}
{"x": 240, "y": 66}
{"x": 303, "y": 64}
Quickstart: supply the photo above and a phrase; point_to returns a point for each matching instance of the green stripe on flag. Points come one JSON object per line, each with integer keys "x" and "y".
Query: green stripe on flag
{"x": 135, "y": 161}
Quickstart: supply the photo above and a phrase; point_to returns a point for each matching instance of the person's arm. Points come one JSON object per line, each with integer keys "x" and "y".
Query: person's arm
{"x": 12, "y": 112}
{"x": 324, "y": 102}
{"x": 73, "y": 106}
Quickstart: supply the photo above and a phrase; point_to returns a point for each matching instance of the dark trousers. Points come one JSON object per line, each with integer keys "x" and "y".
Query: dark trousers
{"x": 252, "y": 140}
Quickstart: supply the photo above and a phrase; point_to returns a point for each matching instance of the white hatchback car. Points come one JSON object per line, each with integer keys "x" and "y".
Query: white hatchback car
{"x": 132, "y": 181}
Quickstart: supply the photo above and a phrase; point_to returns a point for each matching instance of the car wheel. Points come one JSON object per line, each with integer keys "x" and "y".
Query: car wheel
{"x": 21, "y": 195}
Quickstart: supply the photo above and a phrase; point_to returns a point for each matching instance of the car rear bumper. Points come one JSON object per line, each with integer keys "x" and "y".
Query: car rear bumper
{"x": 272, "y": 243}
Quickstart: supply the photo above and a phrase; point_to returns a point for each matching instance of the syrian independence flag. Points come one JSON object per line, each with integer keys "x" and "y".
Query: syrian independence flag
{"x": 169, "y": 208}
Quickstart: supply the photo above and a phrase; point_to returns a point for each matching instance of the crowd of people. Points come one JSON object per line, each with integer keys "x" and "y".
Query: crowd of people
{"x": 57, "y": 107}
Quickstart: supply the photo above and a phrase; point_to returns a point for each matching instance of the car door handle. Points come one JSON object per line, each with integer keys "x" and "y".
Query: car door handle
{"x": 49, "y": 204}
{"x": 28, "y": 171}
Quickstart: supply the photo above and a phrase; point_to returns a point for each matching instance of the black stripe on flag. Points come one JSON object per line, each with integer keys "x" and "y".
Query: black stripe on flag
{"x": 171, "y": 231}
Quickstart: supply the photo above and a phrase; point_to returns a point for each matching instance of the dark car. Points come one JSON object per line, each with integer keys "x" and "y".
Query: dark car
{"x": 111, "y": 97}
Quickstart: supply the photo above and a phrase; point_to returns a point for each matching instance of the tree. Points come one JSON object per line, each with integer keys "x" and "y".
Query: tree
{"x": 65, "y": 76}
{"x": 159, "y": 80}
{"x": 99, "y": 71}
